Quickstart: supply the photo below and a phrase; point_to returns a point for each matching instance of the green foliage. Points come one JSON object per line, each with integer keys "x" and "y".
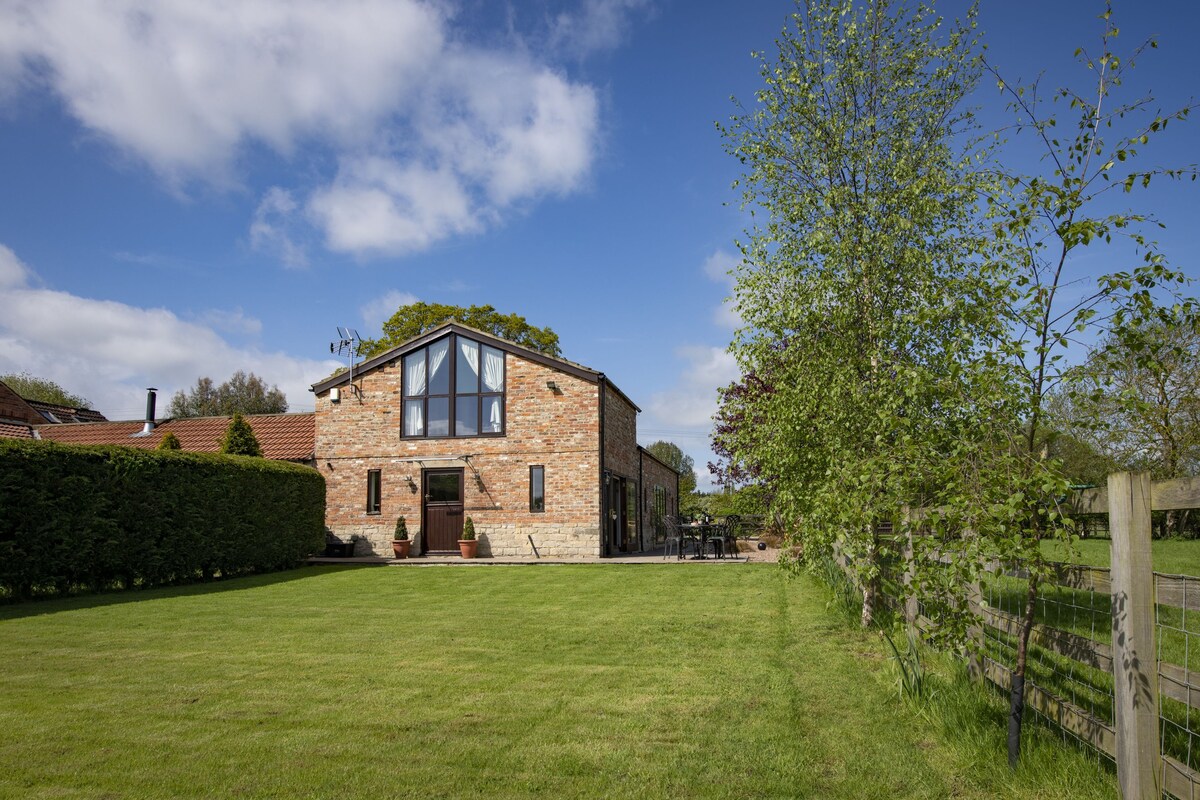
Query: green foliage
{"x": 901, "y": 346}
{"x": 401, "y": 530}
{"x": 412, "y": 320}
{"x": 912, "y": 671}
{"x": 1137, "y": 399}
{"x": 670, "y": 454}
{"x": 169, "y": 442}
{"x": 866, "y": 294}
{"x": 80, "y": 518}
{"x": 468, "y": 530}
{"x": 241, "y": 394}
{"x": 31, "y": 387}
{"x": 239, "y": 438}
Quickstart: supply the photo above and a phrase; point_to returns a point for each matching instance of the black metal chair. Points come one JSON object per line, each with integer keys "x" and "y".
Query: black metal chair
{"x": 677, "y": 538}
{"x": 720, "y": 539}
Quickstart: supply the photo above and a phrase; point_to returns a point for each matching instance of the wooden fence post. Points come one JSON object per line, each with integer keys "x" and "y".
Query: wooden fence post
{"x": 1135, "y": 672}
{"x": 911, "y": 608}
{"x": 975, "y": 637}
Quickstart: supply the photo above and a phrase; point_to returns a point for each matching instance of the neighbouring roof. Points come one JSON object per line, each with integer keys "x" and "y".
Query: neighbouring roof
{"x": 561, "y": 364}
{"x": 13, "y": 430}
{"x": 55, "y": 413}
{"x": 19, "y": 416}
{"x": 284, "y": 437}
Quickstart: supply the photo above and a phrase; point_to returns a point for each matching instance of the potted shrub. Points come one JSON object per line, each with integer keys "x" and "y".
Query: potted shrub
{"x": 468, "y": 544}
{"x": 400, "y": 541}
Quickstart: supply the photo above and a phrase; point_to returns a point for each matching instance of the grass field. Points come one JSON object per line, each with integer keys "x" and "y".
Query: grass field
{"x": 1173, "y": 556}
{"x": 567, "y": 681}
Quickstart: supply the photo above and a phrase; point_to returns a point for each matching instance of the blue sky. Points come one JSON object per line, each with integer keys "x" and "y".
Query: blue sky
{"x": 195, "y": 188}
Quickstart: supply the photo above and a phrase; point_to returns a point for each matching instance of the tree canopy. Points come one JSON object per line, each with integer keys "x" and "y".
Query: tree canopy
{"x": 416, "y": 318}
{"x": 1139, "y": 407}
{"x": 242, "y": 394}
{"x": 31, "y": 387}
{"x": 670, "y": 454}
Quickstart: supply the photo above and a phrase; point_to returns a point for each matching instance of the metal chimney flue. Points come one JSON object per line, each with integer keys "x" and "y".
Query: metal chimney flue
{"x": 151, "y": 396}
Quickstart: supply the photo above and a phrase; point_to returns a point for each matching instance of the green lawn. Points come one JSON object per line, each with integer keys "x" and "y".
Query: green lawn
{"x": 1173, "y": 556}
{"x": 556, "y": 681}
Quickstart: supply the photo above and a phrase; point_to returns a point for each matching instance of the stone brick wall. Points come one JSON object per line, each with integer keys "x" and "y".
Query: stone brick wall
{"x": 655, "y": 474}
{"x": 558, "y": 430}
{"x": 620, "y": 435}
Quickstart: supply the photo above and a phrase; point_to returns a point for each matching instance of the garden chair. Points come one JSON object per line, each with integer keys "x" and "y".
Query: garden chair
{"x": 677, "y": 538}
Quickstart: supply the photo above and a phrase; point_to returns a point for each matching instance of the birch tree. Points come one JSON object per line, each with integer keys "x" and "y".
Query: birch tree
{"x": 865, "y": 289}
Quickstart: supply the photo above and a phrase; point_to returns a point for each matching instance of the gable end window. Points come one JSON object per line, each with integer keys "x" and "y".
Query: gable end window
{"x": 374, "y": 484}
{"x": 453, "y": 387}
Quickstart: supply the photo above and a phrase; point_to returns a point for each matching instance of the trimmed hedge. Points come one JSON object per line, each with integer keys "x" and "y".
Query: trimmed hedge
{"x": 78, "y": 518}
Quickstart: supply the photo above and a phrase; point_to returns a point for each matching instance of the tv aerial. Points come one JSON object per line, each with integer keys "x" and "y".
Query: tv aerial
{"x": 349, "y": 344}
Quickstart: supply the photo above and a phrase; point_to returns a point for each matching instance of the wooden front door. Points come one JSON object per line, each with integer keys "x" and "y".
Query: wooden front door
{"x": 443, "y": 510}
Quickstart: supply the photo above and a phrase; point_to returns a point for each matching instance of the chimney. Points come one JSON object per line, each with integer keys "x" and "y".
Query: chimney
{"x": 150, "y": 397}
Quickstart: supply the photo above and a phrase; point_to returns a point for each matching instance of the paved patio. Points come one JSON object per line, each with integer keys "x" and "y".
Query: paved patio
{"x": 649, "y": 557}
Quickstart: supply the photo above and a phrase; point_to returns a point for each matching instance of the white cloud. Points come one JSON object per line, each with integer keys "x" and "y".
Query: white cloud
{"x": 692, "y": 402}
{"x": 380, "y": 309}
{"x": 600, "y": 25}
{"x": 273, "y": 229}
{"x": 235, "y": 321}
{"x": 13, "y": 274}
{"x": 684, "y": 413}
{"x": 718, "y": 267}
{"x": 109, "y": 352}
{"x": 183, "y": 85}
{"x": 433, "y": 138}
{"x": 491, "y": 132}
{"x": 380, "y": 206}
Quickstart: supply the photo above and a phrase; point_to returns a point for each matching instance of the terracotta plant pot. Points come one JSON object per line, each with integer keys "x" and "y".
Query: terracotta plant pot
{"x": 401, "y": 547}
{"x": 468, "y": 547}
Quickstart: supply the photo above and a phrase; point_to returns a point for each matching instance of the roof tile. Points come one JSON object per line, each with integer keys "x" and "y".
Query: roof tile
{"x": 287, "y": 437}
{"x": 10, "y": 430}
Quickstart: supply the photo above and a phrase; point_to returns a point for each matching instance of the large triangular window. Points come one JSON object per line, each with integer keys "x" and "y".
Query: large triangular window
{"x": 453, "y": 387}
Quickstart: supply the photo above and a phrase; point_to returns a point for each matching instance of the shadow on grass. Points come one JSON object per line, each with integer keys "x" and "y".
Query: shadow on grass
{"x": 53, "y": 605}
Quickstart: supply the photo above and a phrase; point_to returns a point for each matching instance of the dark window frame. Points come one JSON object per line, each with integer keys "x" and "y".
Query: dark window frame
{"x": 452, "y": 396}
{"x": 533, "y": 509}
{"x": 374, "y": 492}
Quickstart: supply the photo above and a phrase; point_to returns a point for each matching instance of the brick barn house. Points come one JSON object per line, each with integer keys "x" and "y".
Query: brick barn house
{"x": 540, "y": 452}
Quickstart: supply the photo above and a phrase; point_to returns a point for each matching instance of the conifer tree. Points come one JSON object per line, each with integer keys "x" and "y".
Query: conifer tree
{"x": 239, "y": 439}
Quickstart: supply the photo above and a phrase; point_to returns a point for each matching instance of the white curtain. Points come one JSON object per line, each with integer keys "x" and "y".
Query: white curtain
{"x": 414, "y": 374}
{"x": 414, "y": 418}
{"x": 493, "y": 370}
{"x": 437, "y": 359}
{"x": 470, "y": 352}
{"x": 493, "y": 413}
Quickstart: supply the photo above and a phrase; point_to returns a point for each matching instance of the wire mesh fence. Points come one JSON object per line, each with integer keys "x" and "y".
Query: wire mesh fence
{"x": 1177, "y": 626}
{"x": 1069, "y": 661}
{"x": 1113, "y": 657}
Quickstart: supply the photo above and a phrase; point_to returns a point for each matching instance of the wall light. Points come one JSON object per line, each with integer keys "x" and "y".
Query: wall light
{"x": 552, "y": 386}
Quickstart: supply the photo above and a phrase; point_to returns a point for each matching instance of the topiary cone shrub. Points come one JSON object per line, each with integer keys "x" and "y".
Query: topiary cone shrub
{"x": 468, "y": 545}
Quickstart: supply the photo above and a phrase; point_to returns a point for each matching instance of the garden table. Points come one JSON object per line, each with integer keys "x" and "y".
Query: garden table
{"x": 703, "y": 530}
